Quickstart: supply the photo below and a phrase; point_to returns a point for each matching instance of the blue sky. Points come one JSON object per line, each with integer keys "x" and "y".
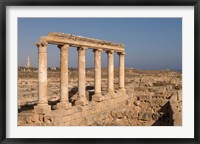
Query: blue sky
{"x": 150, "y": 43}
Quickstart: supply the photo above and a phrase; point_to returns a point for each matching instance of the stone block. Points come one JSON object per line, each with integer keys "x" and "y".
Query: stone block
{"x": 169, "y": 87}
{"x": 177, "y": 116}
{"x": 157, "y": 102}
{"x": 56, "y": 119}
{"x": 97, "y": 98}
{"x": 137, "y": 103}
{"x": 161, "y": 90}
{"x": 136, "y": 109}
{"x": 91, "y": 112}
{"x": 81, "y": 102}
{"x": 42, "y": 109}
{"x": 91, "y": 105}
{"x": 68, "y": 123}
{"x": 35, "y": 118}
{"x": 131, "y": 115}
{"x": 177, "y": 122}
{"x": 113, "y": 95}
{"x": 117, "y": 114}
{"x": 145, "y": 116}
{"x": 120, "y": 115}
{"x": 76, "y": 115}
{"x": 59, "y": 112}
{"x": 145, "y": 98}
{"x": 64, "y": 105}
{"x": 49, "y": 124}
{"x": 65, "y": 119}
{"x": 174, "y": 98}
{"x": 48, "y": 119}
{"x": 64, "y": 112}
{"x": 121, "y": 92}
{"x": 28, "y": 119}
{"x": 90, "y": 120}
{"x": 41, "y": 118}
{"x": 68, "y": 112}
{"x": 179, "y": 97}
{"x": 82, "y": 108}
{"x": 155, "y": 116}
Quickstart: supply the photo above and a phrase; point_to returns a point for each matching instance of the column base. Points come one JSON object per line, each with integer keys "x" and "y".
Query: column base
{"x": 97, "y": 97}
{"x": 42, "y": 109}
{"x": 81, "y": 101}
{"x": 122, "y": 91}
{"x": 112, "y": 94}
{"x": 64, "y": 105}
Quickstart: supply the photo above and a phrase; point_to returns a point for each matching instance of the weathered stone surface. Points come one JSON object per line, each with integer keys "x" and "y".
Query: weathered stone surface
{"x": 62, "y": 38}
{"x": 63, "y": 76}
{"x": 42, "y": 109}
{"x": 137, "y": 103}
{"x": 145, "y": 116}
{"x": 64, "y": 105}
{"x": 110, "y": 71}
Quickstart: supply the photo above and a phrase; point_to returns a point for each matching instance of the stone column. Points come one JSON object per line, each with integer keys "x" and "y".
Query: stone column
{"x": 42, "y": 106}
{"x": 110, "y": 71}
{"x": 64, "y": 103}
{"x": 81, "y": 77}
{"x": 121, "y": 71}
{"x": 97, "y": 75}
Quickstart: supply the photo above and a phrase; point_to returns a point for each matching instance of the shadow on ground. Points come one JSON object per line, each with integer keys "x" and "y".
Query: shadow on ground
{"x": 165, "y": 118}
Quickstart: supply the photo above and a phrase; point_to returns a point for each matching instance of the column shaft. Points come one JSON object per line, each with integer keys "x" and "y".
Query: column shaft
{"x": 64, "y": 73}
{"x": 64, "y": 103}
{"x": 121, "y": 70}
{"x": 42, "y": 73}
{"x": 110, "y": 71}
{"x": 42, "y": 107}
{"x": 81, "y": 77}
{"x": 81, "y": 72}
{"x": 97, "y": 69}
{"x": 97, "y": 75}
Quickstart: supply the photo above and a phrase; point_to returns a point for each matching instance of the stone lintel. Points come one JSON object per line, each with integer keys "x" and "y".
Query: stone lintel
{"x": 83, "y": 42}
{"x": 81, "y": 38}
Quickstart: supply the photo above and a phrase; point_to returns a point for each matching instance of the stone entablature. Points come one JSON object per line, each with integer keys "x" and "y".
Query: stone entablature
{"x": 79, "y": 41}
{"x": 64, "y": 41}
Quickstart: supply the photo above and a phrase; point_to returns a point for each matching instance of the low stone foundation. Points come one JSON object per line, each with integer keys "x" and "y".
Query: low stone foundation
{"x": 95, "y": 113}
{"x": 120, "y": 111}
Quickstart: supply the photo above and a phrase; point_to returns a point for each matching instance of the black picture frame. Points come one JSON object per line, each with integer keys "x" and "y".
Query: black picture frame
{"x": 5, "y": 3}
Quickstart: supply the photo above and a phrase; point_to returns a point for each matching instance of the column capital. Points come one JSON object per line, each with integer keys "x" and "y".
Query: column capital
{"x": 66, "y": 46}
{"x": 81, "y": 48}
{"x": 42, "y": 47}
{"x": 97, "y": 50}
{"x": 110, "y": 52}
{"x": 41, "y": 44}
{"x": 121, "y": 53}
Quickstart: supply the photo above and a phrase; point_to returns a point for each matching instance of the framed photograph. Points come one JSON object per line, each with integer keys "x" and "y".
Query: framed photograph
{"x": 99, "y": 71}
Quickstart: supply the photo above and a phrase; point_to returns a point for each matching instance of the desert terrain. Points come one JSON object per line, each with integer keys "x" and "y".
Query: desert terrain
{"x": 153, "y": 98}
